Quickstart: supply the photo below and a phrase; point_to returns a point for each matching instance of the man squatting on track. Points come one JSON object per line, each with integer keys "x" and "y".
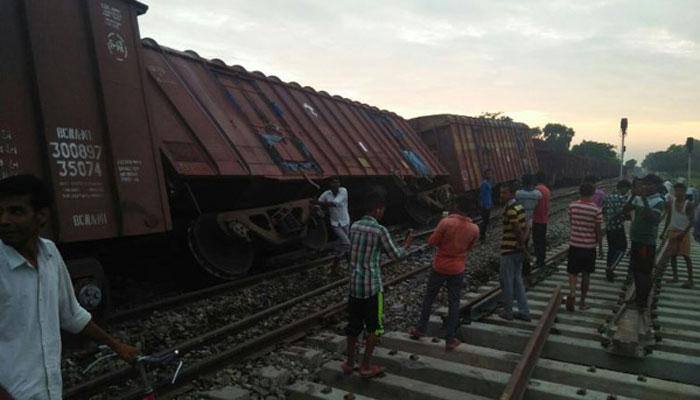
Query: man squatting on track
{"x": 679, "y": 217}
{"x": 336, "y": 201}
{"x": 615, "y": 226}
{"x": 454, "y": 236}
{"x": 486, "y": 200}
{"x": 365, "y": 303}
{"x": 647, "y": 204}
{"x": 586, "y": 220}
{"x": 512, "y": 255}
{"x": 36, "y": 297}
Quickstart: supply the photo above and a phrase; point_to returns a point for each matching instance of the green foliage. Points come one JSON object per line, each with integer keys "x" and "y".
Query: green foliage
{"x": 535, "y": 133}
{"x": 631, "y": 163}
{"x": 498, "y": 116}
{"x": 673, "y": 161}
{"x": 558, "y": 136}
{"x": 601, "y": 151}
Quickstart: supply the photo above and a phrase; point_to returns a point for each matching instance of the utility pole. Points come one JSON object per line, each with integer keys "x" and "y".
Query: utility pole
{"x": 689, "y": 145}
{"x": 623, "y": 129}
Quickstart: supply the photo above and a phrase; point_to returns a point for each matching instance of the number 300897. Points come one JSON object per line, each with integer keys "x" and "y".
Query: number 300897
{"x": 74, "y": 159}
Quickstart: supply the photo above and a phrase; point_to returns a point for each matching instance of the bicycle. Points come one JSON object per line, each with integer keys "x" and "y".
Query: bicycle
{"x": 158, "y": 359}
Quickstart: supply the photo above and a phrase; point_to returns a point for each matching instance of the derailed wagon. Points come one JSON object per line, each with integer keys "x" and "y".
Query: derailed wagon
{"x": 246, "y": 149}
{"x": 468, "y": 146}
{"x": 565, "y": 168}
{"x": 140, "y": 140}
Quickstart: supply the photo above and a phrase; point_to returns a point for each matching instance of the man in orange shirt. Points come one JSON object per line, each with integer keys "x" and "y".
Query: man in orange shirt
{"x": 454, "y": 236}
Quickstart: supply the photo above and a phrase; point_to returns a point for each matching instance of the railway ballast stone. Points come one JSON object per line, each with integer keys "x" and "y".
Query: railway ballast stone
{"x": 328, "y": 342}
{"x": 228, "y": 393}
{"x": 310, "y": 357}
{"x": 273, "y": 377}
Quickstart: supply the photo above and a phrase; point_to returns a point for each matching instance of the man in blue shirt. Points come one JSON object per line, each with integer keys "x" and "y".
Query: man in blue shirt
{"x": 486, "y": 200}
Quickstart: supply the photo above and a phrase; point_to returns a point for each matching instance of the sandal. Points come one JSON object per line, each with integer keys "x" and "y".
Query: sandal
{"x": 687, "y": 285}
{"x": 372, "y": 371}
{"x": 583, "y": 307}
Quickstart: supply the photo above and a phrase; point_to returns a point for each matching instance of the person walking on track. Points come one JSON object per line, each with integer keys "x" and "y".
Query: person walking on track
{"x": 336, "y": 201}
{"x": 36, "y": 297}
{"x": 615, "y": 227}
{"x": 648, "y": 205}
{"x": 679, "y": 219}
{"x": 586, "y": 221}
{"x": 454, "y": 237}
{"x": 368, "y": 239}
{"x": 540, "y": 219}
{"x": 512, "y": 254}
{"x": 486, "y": 200}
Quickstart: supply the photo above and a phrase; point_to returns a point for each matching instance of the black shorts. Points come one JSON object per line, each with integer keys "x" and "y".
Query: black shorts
{"x": 367, "y": 313}
{"x": 581, "y": 260}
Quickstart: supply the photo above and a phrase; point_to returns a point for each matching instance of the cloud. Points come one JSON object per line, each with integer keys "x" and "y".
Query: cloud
{"x": 661, "y": 41}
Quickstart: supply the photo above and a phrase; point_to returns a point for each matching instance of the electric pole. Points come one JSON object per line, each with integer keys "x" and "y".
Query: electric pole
{"x": 623, "y": 129}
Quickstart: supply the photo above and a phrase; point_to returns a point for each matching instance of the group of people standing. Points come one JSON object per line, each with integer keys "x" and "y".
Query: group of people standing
{"x": 525, "y": 216}
{"x": 642, "y": 202}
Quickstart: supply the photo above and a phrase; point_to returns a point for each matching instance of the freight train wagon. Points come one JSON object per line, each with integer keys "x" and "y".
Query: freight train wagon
{"x": 565, "y": 168}
{"x": 139, "y": 140}
{"x": 468, "y": 146}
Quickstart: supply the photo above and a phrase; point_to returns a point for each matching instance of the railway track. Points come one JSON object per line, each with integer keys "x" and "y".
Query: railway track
{"x": 559, "y": 355}
{"x": 192, "y": 296}
{"x": 230, "y": 341}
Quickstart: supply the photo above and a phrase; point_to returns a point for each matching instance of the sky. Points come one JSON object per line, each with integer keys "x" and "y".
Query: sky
{"x": 582, "y": 63}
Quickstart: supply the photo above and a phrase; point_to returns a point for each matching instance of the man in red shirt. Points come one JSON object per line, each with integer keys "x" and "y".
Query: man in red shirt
{"x": 540, "y": 218}
{"x": 454, "y": 236}
{"x": 586, "y": 219}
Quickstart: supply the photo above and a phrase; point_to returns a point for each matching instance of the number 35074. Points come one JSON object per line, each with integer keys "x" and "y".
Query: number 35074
{"x": 75, "y": 159}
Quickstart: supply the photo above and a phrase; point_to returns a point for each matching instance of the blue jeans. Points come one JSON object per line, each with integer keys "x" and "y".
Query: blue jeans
{"x": 512, "y": 283}
{"x": 454, "y": 286}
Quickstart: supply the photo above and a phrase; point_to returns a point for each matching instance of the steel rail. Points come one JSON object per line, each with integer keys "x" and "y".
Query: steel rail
{"x": 253, "y": 346}
{"x": 178, "y": 300}
{"x": 517, "y": 384}
{"x": 95, "y": 384}
{"x": 486, "y": 302}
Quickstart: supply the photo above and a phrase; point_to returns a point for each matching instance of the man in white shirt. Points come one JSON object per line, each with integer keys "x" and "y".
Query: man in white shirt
{"x": 336, "y": 201}
{"x": 36, "y": 297}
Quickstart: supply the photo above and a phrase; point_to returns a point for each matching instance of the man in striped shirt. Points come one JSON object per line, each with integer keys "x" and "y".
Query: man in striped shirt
{"x": 586, "y": 220}
{"x": 368, "y": 238}
{"x": 512, "y": 255}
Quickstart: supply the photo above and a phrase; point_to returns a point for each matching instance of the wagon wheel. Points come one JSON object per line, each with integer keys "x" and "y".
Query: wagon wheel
{"x": 317, "y": 233}
{"x": 217, "y": 252}
{"x": 419, "y": 212}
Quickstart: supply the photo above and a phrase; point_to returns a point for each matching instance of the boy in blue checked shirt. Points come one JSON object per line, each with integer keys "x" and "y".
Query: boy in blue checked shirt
{"x": 368, "y": 239}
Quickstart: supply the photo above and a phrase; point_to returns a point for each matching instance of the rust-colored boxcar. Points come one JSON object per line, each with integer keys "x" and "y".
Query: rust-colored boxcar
{"x": 468, "y": 146}
{"x": 564, "y": 168}
{"x": 137, "y": 138}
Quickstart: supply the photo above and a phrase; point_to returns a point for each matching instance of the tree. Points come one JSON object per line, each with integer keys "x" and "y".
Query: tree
{"x": 498, "y": 116}
{"x": 535, "y": 133}
{"x": 601, "y": 151}
{"x": 673, "y": 161}
{"x": 631, "y": 163}
{"x": 558, "y": 136}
